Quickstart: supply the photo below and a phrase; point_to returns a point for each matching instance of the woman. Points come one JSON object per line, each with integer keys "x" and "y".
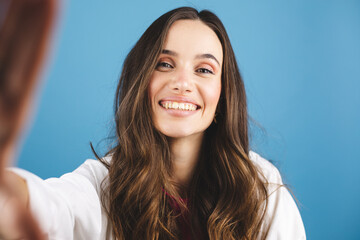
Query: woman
{"x": 181, "y": 167}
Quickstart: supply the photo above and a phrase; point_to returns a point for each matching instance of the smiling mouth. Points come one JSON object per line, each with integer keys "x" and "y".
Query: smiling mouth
{"x": 183, "y": 106}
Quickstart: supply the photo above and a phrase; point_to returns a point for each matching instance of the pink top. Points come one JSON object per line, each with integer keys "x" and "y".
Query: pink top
{"x": 184, "y": 221}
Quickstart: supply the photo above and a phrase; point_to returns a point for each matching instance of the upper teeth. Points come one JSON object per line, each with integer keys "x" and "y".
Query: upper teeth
{"x": 179, "y": 106}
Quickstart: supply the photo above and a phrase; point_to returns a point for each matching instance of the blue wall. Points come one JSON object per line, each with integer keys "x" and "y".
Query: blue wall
{"x": 301, "y": 64}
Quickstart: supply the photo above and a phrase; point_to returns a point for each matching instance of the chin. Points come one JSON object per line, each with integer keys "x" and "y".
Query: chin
{"x": 181, "y": 129}
{"x": 176, "y": 133}
{"x": 179, "y": 132}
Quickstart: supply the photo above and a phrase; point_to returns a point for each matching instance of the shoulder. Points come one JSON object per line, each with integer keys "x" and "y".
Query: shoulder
{"x": 282, "y": 218}
{"x": 92, "y": 170}
{"x": 266, "y": 169}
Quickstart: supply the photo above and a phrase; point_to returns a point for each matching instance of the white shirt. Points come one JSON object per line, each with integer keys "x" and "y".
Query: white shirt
{"x": 70, "y": 207}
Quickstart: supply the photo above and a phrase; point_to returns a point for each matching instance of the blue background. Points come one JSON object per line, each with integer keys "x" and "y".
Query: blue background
{"x": 301, "y": 64}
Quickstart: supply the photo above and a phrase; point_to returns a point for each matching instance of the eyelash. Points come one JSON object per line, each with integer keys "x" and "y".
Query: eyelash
{"x": 164, "y": 64}
{"x": 168, "y": 65}
{"x": 205, "y": 71}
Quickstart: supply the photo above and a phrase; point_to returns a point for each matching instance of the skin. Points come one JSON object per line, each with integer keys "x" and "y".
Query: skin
{"x": 188, "y": 70}
{"x": 16, "y": 221}
{"x": 183, "y": 73}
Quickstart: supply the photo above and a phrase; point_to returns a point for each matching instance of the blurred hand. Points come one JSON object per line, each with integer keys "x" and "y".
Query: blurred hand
{"x": 24, "y": 39}
{"x": 16, "y": 222}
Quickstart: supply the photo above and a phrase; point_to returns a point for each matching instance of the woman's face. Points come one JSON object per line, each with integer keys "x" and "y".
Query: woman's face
{"x": 185, "y": 87}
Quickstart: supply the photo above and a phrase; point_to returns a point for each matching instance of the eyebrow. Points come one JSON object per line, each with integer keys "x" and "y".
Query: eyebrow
{"x": 169, "y": 52}
{"x": 207, "y": 55}
{"x": 199, "y": 56}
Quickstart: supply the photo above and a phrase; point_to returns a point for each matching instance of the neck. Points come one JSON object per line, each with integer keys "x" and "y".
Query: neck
{"x": 185, "y": 155}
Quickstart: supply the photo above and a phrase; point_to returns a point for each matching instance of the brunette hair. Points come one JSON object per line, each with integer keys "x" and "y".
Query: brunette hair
{"x": 226, "y": 197}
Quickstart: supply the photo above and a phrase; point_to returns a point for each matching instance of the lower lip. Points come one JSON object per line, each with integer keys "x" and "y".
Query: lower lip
{"x": 179, "y": 113}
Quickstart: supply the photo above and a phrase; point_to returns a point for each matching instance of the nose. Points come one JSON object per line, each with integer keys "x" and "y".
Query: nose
{"x": 182, "y": 82}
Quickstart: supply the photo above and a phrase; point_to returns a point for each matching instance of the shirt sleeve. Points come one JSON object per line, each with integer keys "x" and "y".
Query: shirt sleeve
{"x": 69, "y": 207}
{"x": 282, "y": 220}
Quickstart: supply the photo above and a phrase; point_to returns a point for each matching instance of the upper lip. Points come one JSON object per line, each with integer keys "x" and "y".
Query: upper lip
{"x": 180, "y": 99}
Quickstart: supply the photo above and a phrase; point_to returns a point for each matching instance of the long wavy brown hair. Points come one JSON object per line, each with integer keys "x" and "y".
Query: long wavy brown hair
{"x": 226, "y": 198}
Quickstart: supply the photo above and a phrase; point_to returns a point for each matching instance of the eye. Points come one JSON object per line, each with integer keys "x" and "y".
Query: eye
{"x": 163, "y": 65}
{"x": 204, "y": 70}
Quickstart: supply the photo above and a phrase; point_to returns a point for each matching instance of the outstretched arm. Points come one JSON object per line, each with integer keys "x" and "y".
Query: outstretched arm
{"x": 24, "y": 38}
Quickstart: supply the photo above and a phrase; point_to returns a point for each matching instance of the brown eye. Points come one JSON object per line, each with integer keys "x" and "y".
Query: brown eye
{"x": 204, "y": 70}
{"x": 164, "y": 65}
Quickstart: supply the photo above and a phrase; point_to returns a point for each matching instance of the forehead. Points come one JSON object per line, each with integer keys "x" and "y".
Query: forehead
{"x": 192, "y": 37}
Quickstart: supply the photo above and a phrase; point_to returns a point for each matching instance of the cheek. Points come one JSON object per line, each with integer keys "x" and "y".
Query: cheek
{"x": 212, "y": 94}
{"x": 153, "y": 88}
